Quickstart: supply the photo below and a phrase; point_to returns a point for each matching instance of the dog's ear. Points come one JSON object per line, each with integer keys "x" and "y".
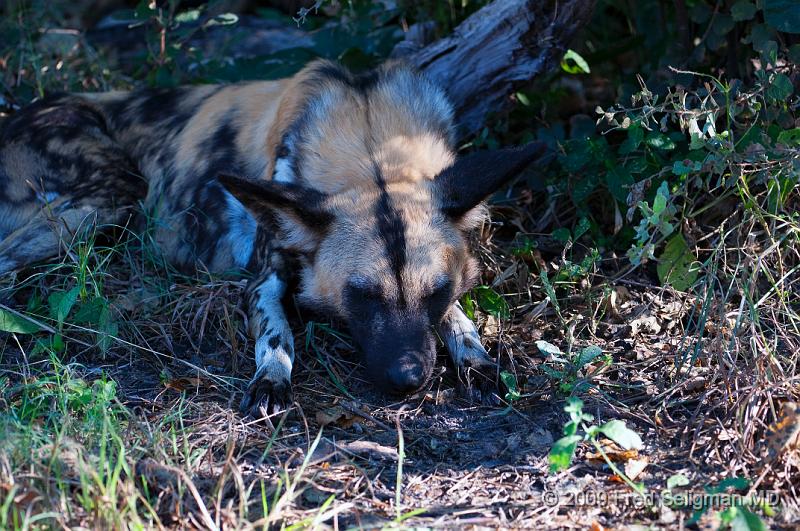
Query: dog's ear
{"x": 298, "y": 213}
{"x": 472, "y": 178}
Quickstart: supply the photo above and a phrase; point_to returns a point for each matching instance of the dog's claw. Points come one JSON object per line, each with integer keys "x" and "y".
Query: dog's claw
{"x": 478, "y": 383}
{"x": 265, "y": 397}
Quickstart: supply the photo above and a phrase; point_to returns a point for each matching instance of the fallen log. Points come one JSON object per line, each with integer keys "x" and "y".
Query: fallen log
{"x": 501, "y": 47}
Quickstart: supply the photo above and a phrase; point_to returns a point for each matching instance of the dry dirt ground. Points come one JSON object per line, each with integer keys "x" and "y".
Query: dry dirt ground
{"x": 183, "y": 360}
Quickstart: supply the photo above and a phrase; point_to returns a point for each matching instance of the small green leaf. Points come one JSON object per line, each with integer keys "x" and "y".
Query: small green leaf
{"x": 16, "y": 323}
{"x": 492, "y": 302}
{"x": 790, "y": 137}
{"x": 570, "y": 428}
{"x": 685, "y": 167}
{"x": 57, "y": 344}
{"x": 660, "y": 141}
{"x": 587, "y": 355}
{"x": 619, "y": 181}
{"x": 561, "y": 234}
{"x": 91, "y": 312}
{"x": 583, "y": 188}
{"x": 726, "y": 516}
{"x": 665, "y": 227}
{"x": 562, "y": 451}
{"x": 677, "y": 265}
{"x": 592, "y": 431}
{"x": 677, "y": 480}
{"x": 745, "y": 520}
{"x": 551, "y": 293}
{"x": 525, "y": 246}
{"x": 735, "y": 483}
{"x": 580, "y": 65}
{"x": 552, "y": 373}
{"x": 468, "y": 306}
{"x": 223, "y": 19}
{"x": 523, "y": 99}
{"x": 769, "y": 52}
{"x": 510, "y": 381}
{"x": 696, "y": 142}
{"x": 61, "y": 303}
{"x": 578, "y": 153}
{"x": 108, "y": 329}
{"x": 574, "y": 406}
{"x": 548, "y": 348}
{"x": 659, "y": 204}
{"x": 617, "y": 431}
{"x": 780, "y": 88}
{"x": 635, "y": 137}
{"x": 582, "y": 227}
{"x": 190, "y": 15}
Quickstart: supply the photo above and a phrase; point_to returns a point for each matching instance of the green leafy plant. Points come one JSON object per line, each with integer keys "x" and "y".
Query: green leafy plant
{"x": 524, "y": 246}
{"x": 578, "y": 429}
{"x": 738, "y": 515}
{"x": 568, "y": 366}
{"x": 36, "y": 62}
{"x": 657, "y": 220}
{"x": 17, "y": 323}
{"x": 677, "y": 265}
{"x": 570, "y": 272}
{"x": 79, "y": 304}
{"x": 168, "y": 33}
{"x": 491, "y": 302}
{"x": 512, "y": 389}
{"x": 551, "y": 293}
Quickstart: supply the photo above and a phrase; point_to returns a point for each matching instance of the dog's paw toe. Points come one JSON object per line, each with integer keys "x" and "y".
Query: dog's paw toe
{"x": 265, "y": 397}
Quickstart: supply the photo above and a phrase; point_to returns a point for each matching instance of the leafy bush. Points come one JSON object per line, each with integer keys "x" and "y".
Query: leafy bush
{"x": 665, "y": 166}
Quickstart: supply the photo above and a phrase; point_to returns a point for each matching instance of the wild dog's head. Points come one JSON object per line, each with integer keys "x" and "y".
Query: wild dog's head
{"x": 381, "y": 229}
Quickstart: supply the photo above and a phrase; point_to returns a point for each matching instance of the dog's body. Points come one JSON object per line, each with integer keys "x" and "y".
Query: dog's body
{"x": 356, "y": 175}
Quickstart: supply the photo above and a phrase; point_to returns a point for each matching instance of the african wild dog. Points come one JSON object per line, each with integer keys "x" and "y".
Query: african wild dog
{"x": 353, "y": 177}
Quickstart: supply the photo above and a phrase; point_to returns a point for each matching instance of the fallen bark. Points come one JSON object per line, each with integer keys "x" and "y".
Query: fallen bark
{"x": 501, "y": 47}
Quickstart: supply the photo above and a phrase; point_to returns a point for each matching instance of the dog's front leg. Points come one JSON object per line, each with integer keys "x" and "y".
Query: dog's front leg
{"x": 270, "y": 389}
{"x": 470, "y": 358}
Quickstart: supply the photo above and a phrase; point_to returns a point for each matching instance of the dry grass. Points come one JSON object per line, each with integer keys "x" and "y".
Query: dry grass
{"x": 137, "y": 428}
{"x": 183, "y": 457}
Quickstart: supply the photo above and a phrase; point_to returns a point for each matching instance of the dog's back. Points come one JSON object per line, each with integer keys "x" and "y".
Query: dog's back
{"x": 324, "y": 128}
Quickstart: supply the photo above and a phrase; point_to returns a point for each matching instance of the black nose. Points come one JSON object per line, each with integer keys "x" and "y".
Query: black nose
{"x": 405, "y": 378}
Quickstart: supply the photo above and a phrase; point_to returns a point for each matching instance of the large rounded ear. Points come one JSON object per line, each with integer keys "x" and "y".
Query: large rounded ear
{"x": 474, "y": 177}
{"x": 298, "y": 213}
